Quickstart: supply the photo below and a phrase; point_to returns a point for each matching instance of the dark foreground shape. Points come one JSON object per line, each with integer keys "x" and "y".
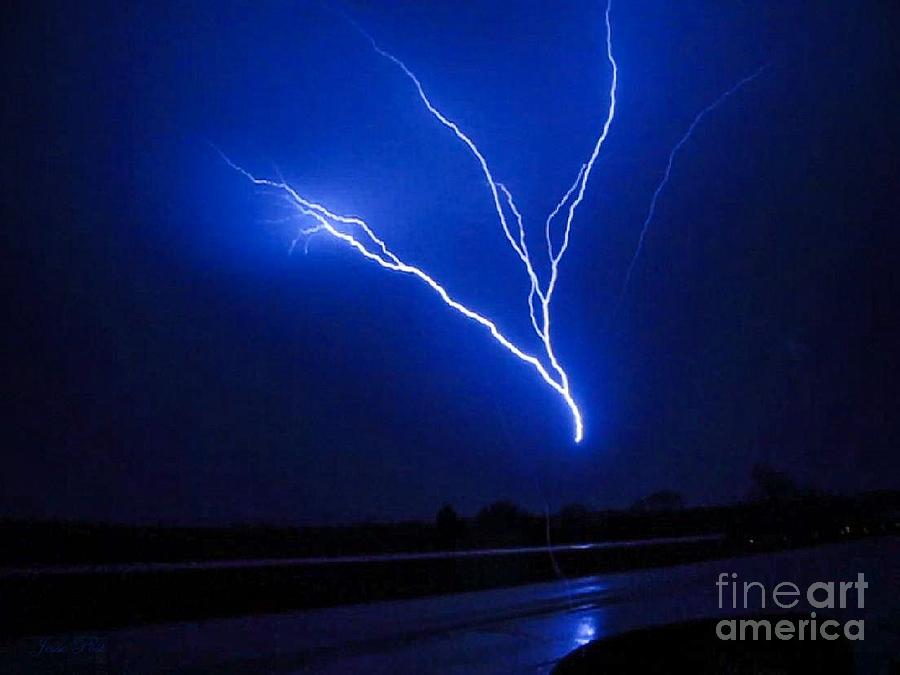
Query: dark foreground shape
{"x": 693, "y": 647}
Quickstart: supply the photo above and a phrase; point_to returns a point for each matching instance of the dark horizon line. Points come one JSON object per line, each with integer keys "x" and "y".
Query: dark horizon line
{"x": 9, "y": 519}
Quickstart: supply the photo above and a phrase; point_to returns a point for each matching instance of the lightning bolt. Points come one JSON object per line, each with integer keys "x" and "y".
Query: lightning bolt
{"x": 330, "y": 223}
{"x": 359, "y": 236}
{"x": 668, "y": 172}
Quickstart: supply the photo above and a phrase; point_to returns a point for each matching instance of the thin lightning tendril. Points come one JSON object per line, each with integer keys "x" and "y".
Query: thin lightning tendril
{"x": 668, "y": 172}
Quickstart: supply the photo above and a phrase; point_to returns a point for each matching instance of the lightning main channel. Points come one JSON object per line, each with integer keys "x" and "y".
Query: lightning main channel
{"x": 330, "y": 223}
{"x": 361, "y": 237}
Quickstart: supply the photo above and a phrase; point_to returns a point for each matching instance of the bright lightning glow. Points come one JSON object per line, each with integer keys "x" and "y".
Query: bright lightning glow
{"x": 370, "y": 246}
{"x": 325, "y": 223}
{"x": 665, "y": 179}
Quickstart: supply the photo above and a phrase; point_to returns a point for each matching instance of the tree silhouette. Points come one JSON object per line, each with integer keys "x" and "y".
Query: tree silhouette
{"x": 449, "y": 525}
{"x": 501, "y": 515}
{"x": 769, "y": 484}
{"x": 663, "y": 500}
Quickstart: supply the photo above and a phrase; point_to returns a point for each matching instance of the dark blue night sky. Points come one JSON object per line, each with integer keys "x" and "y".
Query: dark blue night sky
{"x": 166, "y": 359}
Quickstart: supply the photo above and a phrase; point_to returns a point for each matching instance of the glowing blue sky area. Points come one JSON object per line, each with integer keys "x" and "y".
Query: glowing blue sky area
{"x": 170, "y": 360}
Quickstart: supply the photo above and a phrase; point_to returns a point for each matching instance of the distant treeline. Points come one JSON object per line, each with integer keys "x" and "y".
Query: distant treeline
{"x": 783, "y": 519}
{"x": 80, "y": 596}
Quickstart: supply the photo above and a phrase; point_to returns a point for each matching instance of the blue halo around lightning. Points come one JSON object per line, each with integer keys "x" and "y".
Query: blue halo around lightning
{"x": 359, "y": 235}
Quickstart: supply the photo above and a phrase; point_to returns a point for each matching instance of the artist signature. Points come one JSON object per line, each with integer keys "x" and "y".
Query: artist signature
{"x": 86, "y": 644}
